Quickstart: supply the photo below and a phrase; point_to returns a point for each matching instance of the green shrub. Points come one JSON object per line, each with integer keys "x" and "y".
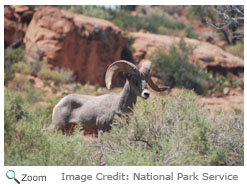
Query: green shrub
{"x": 20, "y": 82}
{"x": 28, "y": 146}
{"x": 22, "y": 67}
{"x": 150, "y": 23}
{"x": 59, "y": 75}
{"x": 176, "y": 71}
{"x": 11, "y": 56}
{"x": 90, "y": 10}
{"x": 121, "y": 18}
{"x": 163, "y": 131}
{"x": 219, "y": 84}
{"x": 32, "y": 145}
{"x": 237, "y": 49}
{"x": 33, "y": 95}
{"x": 66, "y": 75}
{"x": 27, "y": 142}
{"x": 93, "y": 11}
{"x": 202, "y": 13}
{"x": 36, "y": 67}
{"x": 156, "y": 16}
{"x": 190, "y": 33}
{"x": 67, "y": 151}
{"x": 166, "y": 31}
{"x": 50, "y": 75}
{"x": 14, "y": 110}
{"x": 172, "y": 131}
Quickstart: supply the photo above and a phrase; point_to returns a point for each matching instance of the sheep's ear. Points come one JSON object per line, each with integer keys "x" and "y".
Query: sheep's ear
{"x": 145, "y": 68}
{"x": 116, "y": 67}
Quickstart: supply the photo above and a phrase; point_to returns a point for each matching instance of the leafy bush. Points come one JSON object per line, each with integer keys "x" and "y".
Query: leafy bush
{"x": 172, "y": 131}
{"x": 237, "y": 49}
{"x": 50, "y": 75}
{"x": 22, "y": 67}
{"x": 33, "y": 95}
{"x": 176, "y": 71}
{"x": 59, "y": 75}
{"x": 92, "y": 90}
{"x": 219, "y": 84}
{"x": 190, "y": 33}
{"x": 14, "y": 110}
{"x": 66, "y": 75}
{"x": 90, "y": 10}
{"x": 150, "y": 23}
{"x": 122, "y": 18}
{"x": 202, "y": 13}
{"x": 36, "y": 67}
{"x": 27, "y": 142}
{"x": 31, "y": 145}
{"x": 20, "y": 82}
{"x": 11, "y": 56}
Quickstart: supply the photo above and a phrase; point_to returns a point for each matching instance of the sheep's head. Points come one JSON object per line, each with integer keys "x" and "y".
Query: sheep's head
{"x": 138, "y": 78}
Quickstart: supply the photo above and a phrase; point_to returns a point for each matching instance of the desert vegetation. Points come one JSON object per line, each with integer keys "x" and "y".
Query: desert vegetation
{"x": 171, "y": 129}
{"x": 180, "y": 132}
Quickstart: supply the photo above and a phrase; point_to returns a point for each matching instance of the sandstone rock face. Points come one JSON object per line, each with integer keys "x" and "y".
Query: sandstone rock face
{"x": 206, "y": 54}
{"x": 83, "y": 44}
{"x": 16, "y": 19}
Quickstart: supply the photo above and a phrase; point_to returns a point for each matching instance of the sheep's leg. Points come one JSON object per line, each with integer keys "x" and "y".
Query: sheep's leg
{"x": 52, "y": 128}
{"x": 69, "y": 129}
{"x": 89, "y": 130}
{"x": 100, "y": 133}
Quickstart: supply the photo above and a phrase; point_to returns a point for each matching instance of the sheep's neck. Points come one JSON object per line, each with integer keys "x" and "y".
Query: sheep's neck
{"x": 127, "y": 98}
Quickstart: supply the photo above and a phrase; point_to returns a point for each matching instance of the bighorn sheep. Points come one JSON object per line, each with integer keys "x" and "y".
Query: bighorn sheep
{"x": 97, "y": 112}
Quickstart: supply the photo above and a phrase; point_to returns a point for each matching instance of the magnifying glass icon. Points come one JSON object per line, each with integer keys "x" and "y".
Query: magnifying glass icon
{"x": 10, "y": 174}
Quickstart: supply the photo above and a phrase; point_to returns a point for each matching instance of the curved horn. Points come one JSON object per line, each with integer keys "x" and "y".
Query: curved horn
{"x": 155, "y": 87}
{"x": 145, "y": 69}
{"x": 118, "y": 66}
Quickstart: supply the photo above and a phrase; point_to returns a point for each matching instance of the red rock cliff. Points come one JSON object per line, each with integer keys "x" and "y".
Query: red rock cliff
{"x": 16, "y": 19}
{"x": 83, "y": 44}
{"x": 145, "y": 45}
